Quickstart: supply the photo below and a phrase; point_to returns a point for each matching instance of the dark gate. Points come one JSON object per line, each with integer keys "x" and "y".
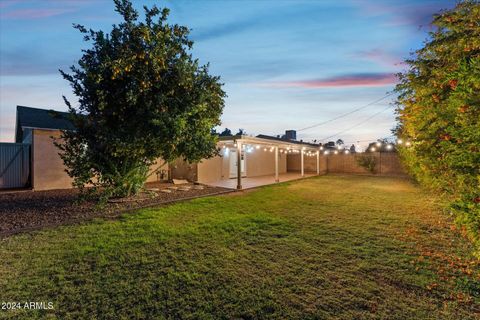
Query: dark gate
{"x": 14, "y": 165}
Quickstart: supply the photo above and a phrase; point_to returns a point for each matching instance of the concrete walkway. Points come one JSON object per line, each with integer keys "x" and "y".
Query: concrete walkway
{"x": 253, "y": 182}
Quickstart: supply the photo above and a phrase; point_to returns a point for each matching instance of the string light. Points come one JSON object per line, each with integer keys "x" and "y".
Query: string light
{"x": 408, "y": 144}
{"x": 399, "y": 141}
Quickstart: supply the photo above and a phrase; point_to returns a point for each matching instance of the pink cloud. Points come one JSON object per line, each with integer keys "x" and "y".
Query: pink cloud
{"x": 34, "y": 13}
{"x": 381, "y": 57}
{"x": 354, "y": 80}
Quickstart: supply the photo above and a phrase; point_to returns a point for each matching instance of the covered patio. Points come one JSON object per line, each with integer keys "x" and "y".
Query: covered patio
{"x": 246, "y": 162}
{"x": 254, "y": 182}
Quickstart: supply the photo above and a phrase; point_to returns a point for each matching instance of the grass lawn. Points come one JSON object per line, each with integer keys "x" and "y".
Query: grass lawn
{"x": 330, "y": 247}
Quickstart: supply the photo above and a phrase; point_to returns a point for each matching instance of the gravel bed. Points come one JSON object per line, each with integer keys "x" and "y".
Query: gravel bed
{"x": 32, "y": 210}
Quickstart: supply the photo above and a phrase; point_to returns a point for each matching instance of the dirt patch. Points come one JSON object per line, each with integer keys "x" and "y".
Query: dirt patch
{"x": 32, "y": 210}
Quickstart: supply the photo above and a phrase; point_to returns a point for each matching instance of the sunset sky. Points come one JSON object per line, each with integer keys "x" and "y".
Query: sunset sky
{"x": 285, "y": 64}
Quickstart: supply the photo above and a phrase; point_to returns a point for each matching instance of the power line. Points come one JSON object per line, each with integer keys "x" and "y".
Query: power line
{"x": 358, "y": 124}
{"x": 346, "y": 114}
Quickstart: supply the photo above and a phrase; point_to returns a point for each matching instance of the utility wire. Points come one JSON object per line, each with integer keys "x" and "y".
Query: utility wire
{"x": 347, "y": 113}
{"x": 358, "y": 124}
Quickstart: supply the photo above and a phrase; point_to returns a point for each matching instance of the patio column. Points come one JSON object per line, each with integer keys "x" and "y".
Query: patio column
{"x": 318, "y": 162}
{"x": 301, "y": 162}
{"x": 239, "y": 165}
{"x": 276, "y": 164}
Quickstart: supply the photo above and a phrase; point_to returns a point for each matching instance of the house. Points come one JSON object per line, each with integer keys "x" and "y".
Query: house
{"x": 34, "y": 133}
{"x": 261, "y": 156}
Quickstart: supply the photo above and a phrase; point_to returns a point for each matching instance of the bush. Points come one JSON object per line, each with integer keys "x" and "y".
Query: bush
{"x": 367, "y": 161}
{"x": 439, "y": 112}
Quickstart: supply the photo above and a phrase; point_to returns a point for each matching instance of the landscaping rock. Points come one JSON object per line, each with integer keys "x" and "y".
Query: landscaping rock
{"x": 180, "y": 181}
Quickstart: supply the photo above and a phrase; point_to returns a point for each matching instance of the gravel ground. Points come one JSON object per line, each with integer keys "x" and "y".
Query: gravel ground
{"x": 29, "y": 210}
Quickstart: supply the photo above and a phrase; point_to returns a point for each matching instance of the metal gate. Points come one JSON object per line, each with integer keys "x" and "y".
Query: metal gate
{"x": 14, "y": 165}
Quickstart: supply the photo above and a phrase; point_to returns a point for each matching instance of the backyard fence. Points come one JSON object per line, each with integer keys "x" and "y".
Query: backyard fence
{"x": 14, "y": 165}
{"x": 386, "y": 163}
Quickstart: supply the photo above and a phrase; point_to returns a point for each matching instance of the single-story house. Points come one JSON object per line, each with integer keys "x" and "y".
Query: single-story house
{"x": 258, "y": 156}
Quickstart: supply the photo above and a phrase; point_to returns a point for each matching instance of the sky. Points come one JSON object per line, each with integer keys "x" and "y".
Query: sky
{"x": 285, "y": 64}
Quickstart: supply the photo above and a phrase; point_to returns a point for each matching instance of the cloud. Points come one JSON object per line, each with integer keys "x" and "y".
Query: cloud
{"x": 380, "y": 56}
{"x": 399, "y": 13}
{"x": 351, "y": 80}
{"x": 34, "y": 13}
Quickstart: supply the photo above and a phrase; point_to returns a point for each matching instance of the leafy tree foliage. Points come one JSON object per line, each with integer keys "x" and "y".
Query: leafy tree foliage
{"x": 439, "y": 111}
{"x": 141, "y": 97}
{"x": 226, "y": 132}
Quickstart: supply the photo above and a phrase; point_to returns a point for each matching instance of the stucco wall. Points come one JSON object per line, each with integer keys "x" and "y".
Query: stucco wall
{"x": 48, "y": 171}
{"x": 261, "y": 163}
{"x": 310, "y": 163}
{"x": 157, "y": 170}
{"x": 213, "y": 169}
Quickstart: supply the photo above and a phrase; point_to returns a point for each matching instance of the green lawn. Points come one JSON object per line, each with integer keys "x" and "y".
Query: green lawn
{"x": 331, "y": 247}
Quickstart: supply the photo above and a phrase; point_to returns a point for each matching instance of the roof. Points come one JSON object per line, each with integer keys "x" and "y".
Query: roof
{"x": 28, "y": 117}
{"x": 263, "y": 136}
{"x": 268, "y": 140}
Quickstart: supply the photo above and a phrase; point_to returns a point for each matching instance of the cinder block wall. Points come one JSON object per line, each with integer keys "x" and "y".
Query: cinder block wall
{"x": 386, "y": 163}
{"x": 310, "y": 163}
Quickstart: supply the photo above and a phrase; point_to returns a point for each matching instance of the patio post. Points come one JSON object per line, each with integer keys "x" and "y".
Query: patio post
{"x": 239, "y": 165}
{"x": 276, "y": 164}
{"x": 301, "y": 161}
{"x": 318, "y": 162}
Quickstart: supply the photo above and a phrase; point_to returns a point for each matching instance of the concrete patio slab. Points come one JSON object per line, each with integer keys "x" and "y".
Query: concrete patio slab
{"x": 253, "y": 182}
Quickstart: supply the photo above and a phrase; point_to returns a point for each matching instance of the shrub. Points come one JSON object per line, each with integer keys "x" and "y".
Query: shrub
{"x": 438, "y": 110}
{"x": 367, "y": 161}
{"x": 141, "y": 97}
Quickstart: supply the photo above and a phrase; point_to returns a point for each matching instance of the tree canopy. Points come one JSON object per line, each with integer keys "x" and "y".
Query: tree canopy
{"x": 142, "y": 96}
{"x": 438, "y": 110}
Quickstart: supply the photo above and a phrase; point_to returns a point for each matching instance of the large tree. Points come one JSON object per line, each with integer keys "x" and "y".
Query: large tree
{"x": 141, "y": 97}
{"x": 439, "y": 111}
